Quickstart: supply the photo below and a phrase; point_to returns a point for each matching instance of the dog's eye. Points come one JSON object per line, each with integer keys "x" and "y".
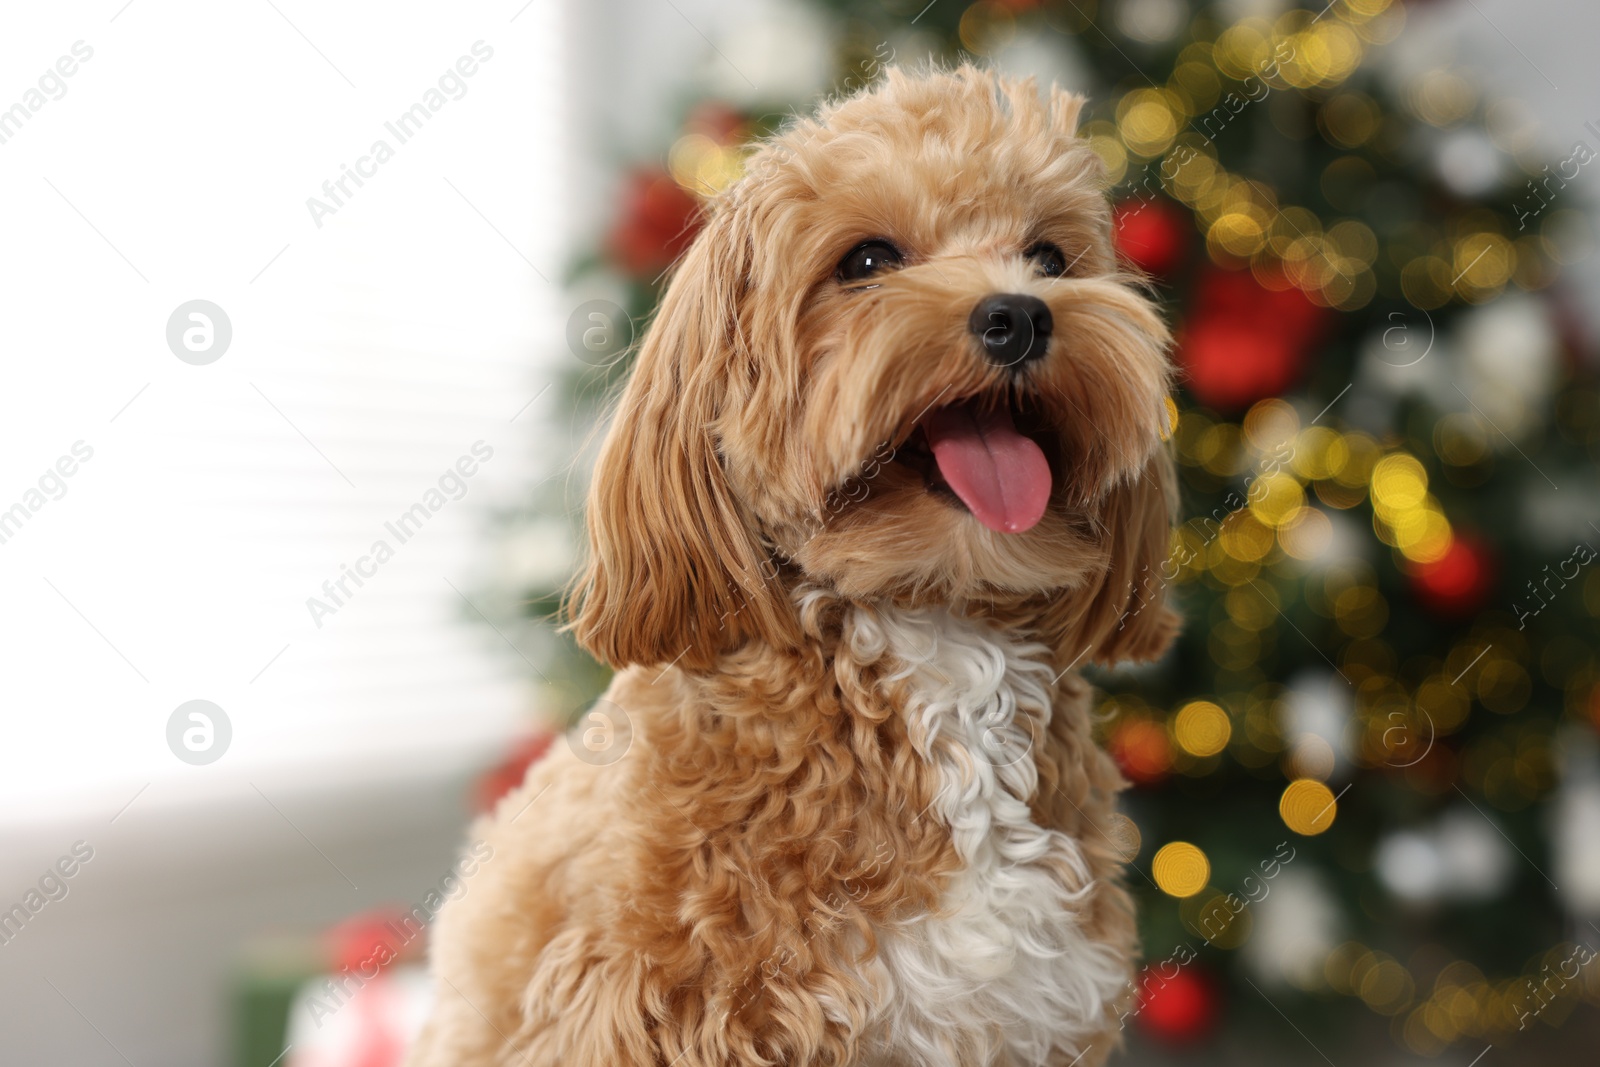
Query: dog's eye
{"x": 867, "y": 259}
{"x": 1048, "y": 259}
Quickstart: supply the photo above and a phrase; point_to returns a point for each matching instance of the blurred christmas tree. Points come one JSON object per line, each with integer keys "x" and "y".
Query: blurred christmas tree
{"x": 1374, "y": 747}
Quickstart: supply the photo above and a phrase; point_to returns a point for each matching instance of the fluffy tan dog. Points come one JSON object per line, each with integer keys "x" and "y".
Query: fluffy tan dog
{"x": 889, "y": 468}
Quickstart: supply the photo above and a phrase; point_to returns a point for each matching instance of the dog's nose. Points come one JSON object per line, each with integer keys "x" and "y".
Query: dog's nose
{"x": 1012, "y": 328}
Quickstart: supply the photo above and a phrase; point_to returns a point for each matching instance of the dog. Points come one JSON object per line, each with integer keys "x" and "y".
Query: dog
{"x": 887, "y": 472}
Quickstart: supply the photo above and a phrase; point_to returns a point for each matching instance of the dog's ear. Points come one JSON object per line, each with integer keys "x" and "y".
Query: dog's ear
{"x": 675, "y": 571}
{"x": 1128, "y": 619}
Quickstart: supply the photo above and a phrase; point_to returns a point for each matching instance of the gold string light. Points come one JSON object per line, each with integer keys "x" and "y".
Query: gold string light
{"x": 1180, "y": 869}
{"x": 1308, "y": 807}
{"x": 1202, "y": 729}
{"x": 1163, "y": 135}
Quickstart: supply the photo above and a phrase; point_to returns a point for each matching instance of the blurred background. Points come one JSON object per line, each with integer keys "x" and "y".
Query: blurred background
{"x": 310, "y": 316}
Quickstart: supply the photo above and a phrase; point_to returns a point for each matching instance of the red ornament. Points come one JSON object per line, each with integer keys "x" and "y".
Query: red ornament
{"x": 1180, "y": 1009}
{"x": 368, "y": 941}
{"x": 1142, "y": 749}
{"x": 506, "y": 775}
{"x": 1458, "y": 583}
{"x": 657, "y": 221}
{"x": 1245, "y": 340}
{"x": 1151, "y": 233}
{"x": 1231, "y": 365}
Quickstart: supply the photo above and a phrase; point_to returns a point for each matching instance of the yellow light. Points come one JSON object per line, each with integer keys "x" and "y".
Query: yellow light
{"x": 702, "y": 166}
{"x": 1180, "y": 869}
{"x": 1327, "y": 54}
{"x": 1375, "y": 30}
{"x": 1387, "y": 988}
{"x": 1361, "y": 10}
{"x": 1218, "y": 449}
{"x": 1399, "y": 526}
{"x": 1148, "y": 121}
{"x": 1308, "y": 807}
{"x": 1442, "y": 97}
{"x": 1344, "y": 967}
{"x": 1338, "y": 495}
{"x": 1349, "y": 119}
{"x": 1270, "y": 423}
{"x": 1319, "y": 452}
{"x": 1353, "y": 290}
{"x": 1202, "y": 729}
{"x": 1425, "y": 281}
{"x": 1243, "y": 49}
{"x": 1169, "y": 408}
{"x": 1355, "y": 240}
{"x": 1244, "y": 537}
{"x": 1398, "y": 482}
{"x": 1238, "y": 233}
{"x": 1230, "y": 570}
{"x": 987, "y": 27}
{"x": 1427, "y": 540}
{"x": 1275, "y": 498}
{"x": 1295, "y": 227}
{"x": 1192, "y": 179}
{"x": 1483, "y": 261}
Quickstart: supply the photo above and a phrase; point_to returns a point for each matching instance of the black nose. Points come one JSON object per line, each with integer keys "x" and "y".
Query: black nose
{"x": 1012, "y": 328}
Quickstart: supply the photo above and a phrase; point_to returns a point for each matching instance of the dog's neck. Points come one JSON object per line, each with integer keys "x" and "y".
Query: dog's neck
{"x": 1039, "y": 617}
{"x": 828, "y": 620}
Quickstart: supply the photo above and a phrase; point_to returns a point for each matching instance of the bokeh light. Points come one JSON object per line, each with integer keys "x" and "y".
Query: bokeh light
{"x": 1202, "y": 728}
{"x": 1308, "y": 807}
{"x": 1180, "y": 869}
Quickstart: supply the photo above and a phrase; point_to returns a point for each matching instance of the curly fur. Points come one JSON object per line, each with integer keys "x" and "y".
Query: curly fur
{"x": 860, "y": 821}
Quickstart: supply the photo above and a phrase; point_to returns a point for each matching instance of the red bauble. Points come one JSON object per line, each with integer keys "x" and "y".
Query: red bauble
{"x": 368, "y": 940}
{"x": 1276, "y": 305}
{"x": 1142, "y": 750}
{"x": 1152, "y": 234}
{"x": 1245, "y": 341}
{"x": 1459, "y": 583}
{"x": 657, "y": 221}
{"x": 1233, "y": 364}
{"x": 1181, "y": 1009}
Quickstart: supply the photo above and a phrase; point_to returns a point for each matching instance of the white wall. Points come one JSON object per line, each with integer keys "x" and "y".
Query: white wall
{"x": 368, "y": 354}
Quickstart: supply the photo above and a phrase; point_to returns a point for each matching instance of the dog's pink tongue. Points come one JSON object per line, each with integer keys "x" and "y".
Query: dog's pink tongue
{"x": 999, "y": 474}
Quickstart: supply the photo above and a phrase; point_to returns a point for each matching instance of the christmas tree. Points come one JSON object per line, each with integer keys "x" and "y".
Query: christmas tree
{"x": 1367, "y": 766}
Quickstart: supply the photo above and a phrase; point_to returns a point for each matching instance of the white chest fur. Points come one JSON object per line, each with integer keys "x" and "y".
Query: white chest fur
{"x": 1002, "y": 975}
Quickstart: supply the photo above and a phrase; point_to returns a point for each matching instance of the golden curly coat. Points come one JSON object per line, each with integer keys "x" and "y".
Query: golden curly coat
{"x": 862, "y": 822}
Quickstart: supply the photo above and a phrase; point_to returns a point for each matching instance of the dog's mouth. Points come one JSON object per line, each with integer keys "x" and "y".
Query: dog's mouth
{"x": 974, "y": 451}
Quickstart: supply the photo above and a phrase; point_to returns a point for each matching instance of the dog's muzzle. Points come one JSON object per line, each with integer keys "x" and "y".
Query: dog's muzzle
{"x": 1011, "y": 328}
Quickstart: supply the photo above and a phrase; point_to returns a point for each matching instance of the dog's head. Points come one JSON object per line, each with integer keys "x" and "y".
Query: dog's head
{"x": 900, "y": 361}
